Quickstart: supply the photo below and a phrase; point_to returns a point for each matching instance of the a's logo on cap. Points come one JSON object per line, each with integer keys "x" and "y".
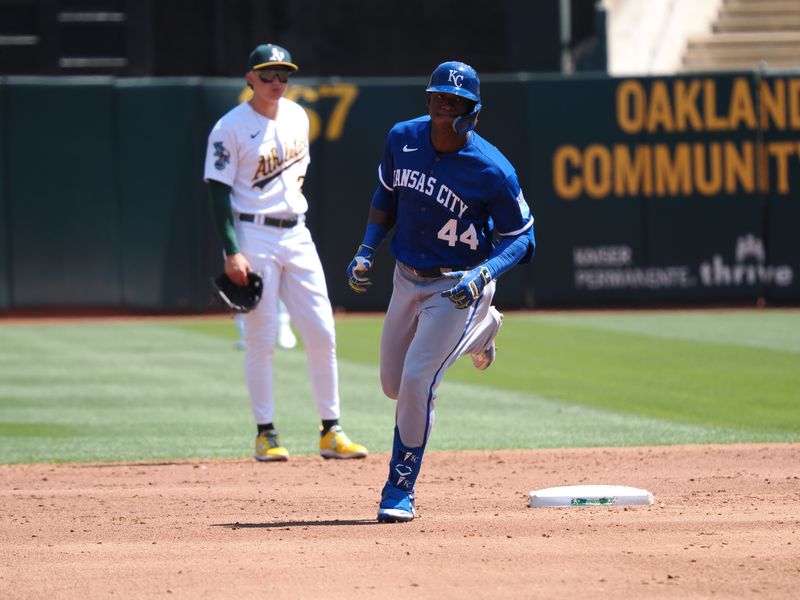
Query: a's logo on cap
{"x": 277, "y": 55}
{"x": 455, "y": 78}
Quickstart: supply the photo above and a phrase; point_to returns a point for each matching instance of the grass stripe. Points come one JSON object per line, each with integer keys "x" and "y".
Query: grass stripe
{"x": 772, "y": 330}
{"x": 175, "y": 389}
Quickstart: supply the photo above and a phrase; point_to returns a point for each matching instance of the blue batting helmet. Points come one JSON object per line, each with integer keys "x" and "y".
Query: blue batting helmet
{"x": 458, "y": 78}
{"x": 454, "y": 77}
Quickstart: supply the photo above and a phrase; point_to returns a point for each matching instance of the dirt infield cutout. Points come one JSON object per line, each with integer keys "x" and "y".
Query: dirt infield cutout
{"x": 725, "y": 523}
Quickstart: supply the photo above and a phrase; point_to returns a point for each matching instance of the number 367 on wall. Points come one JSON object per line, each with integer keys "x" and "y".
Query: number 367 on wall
{"x": 342, "y": 94}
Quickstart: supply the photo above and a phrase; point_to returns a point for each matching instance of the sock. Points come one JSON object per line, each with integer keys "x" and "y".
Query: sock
{"x": 327, "y": 424}
{"x": 404, "y": 464}
{"x": 266, "y": 427}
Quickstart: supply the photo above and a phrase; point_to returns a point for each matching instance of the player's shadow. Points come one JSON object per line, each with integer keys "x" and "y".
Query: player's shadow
{"x": 290, "y": 524}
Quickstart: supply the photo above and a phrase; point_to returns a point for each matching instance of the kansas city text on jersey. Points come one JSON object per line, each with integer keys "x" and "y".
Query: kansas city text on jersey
{"x": 416, "y": 180}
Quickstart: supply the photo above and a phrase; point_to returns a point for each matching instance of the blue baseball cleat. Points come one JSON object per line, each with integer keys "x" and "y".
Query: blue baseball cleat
{"x": 396, "y": 505}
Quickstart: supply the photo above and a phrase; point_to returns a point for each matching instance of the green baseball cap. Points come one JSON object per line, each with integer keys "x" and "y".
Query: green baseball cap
{"x": 267, "y": 56}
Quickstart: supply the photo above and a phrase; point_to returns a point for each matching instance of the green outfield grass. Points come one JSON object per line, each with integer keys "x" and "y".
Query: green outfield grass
{"x": 160, "y": 390}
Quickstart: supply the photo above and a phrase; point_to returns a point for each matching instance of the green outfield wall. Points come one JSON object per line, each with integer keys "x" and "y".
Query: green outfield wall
{"x": 645, "y": 190}
{"x": 5, "y": 242}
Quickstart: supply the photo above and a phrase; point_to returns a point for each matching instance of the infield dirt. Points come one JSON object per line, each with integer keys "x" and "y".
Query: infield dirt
{"x": 725, "y": 524}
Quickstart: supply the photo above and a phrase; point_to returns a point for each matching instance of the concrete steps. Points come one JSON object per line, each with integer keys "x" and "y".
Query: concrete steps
{"x": 748, "y": 34}
{"x": 730, "y": 23}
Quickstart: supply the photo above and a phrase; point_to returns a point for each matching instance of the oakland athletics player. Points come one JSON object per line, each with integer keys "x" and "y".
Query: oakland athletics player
{"x": 286, "y": 337}
{"x": 256, "y": 160}
{"x": 446, "y": 191}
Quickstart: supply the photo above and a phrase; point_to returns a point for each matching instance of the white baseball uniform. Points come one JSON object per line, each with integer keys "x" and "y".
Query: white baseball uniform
{"x": 264, "y": 161}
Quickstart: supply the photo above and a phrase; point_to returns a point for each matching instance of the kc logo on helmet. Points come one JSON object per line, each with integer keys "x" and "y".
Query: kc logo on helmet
{"x": 455, "y": 78}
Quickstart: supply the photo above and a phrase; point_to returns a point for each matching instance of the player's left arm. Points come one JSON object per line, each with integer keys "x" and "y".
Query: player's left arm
{"x": 515, "y": 246}
{"x": 514, "y": 225}
{"x": 511, "y": 250}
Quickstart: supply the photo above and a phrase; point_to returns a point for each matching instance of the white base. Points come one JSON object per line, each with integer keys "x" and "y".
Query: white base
{"x": 590, "y": 495}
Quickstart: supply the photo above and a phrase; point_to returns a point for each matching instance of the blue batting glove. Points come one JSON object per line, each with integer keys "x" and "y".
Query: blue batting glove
{"x": 358, "y": 268}
{"x": 469, "y": 288}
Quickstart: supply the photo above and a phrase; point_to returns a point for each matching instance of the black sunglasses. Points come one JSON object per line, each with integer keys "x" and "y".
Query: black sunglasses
{"x": 269, "y": 76}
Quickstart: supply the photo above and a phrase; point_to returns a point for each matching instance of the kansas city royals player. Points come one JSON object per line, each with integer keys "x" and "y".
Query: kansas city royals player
{"x": 256, "y": 161}
{"x": 446, "y": 191}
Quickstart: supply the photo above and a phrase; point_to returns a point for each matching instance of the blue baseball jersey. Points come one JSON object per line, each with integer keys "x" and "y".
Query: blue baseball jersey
{"x": 447, "y": 206}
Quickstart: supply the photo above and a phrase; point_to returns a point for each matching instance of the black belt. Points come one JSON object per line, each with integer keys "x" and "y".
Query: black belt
{"x": 430, "y": 272}
{"x": 284, "y": 223}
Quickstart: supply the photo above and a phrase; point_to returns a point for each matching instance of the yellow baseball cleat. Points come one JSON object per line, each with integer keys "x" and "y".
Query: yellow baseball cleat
{"x": 268, "y": 447}
{"x": 336, "y": 444}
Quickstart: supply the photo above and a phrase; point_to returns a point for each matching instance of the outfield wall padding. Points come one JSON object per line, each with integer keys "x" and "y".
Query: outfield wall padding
{"x": 62, "y": 193}
{"x": 646, "y": 191}
{"x": 5, "y": 215}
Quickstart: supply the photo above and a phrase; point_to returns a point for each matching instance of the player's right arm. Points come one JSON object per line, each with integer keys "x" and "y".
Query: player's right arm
{"x": 236, "y": 265}
{"x": 381, "y": 219}
{"x": 222, "y": 163}
{"x": 219, "y": 196}
{"x": 379, "y": 223}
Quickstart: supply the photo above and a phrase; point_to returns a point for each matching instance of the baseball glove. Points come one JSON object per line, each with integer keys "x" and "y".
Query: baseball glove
{"x": 239, "y": 299}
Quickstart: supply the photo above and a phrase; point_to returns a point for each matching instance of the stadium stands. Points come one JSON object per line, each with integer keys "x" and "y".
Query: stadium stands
{"x": 748, "y": 34}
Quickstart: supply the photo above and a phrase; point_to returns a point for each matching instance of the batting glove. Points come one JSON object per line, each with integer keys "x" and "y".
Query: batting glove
{"x": 358, "y": 268}
{"x": 469, "y": 288}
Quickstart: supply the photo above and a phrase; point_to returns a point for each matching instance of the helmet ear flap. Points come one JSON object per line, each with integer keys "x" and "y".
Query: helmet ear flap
{"x": 464, "y": 124}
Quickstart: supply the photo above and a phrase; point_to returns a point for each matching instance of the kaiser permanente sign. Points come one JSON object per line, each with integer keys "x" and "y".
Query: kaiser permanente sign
{"x": 688, "y": 163}
{"x": 668, "y": 188}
